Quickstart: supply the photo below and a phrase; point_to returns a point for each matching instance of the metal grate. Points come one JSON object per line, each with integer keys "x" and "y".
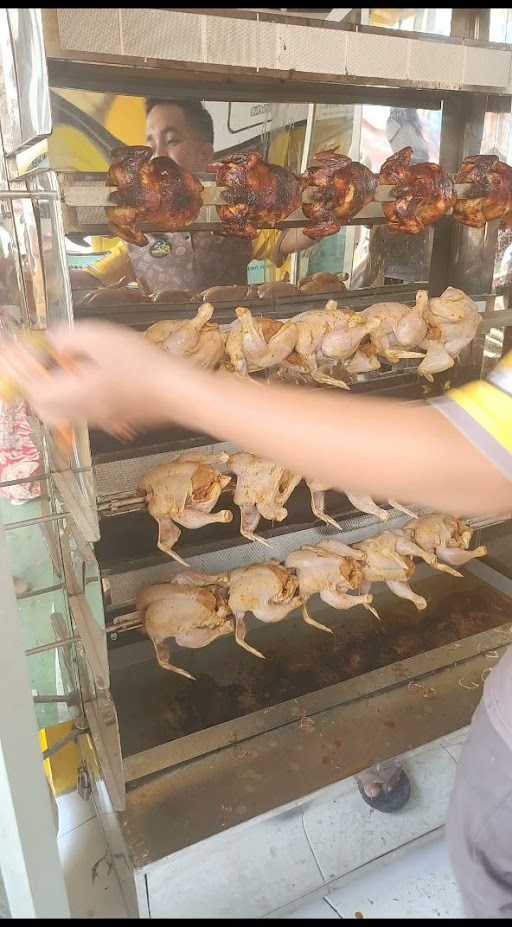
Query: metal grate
{"x": 299, "y": 52}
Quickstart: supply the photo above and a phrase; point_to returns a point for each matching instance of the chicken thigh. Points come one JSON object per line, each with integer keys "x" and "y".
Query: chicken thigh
{"x": 262, "y": 488}
{"x": 332, "y": 570}
{"x": 197, "y": 339}
{"x": 268, "y": 590}
{"x": 184, "y": 492}
{"x": 257, "y": 343}
{"x": 445, "y": 536}
{"x": 400, "y": 328}
{"x": 385, "y": 564}
{"x": 326, "y": 337}
{"x": 192, "y": 609}
{"x": 453, "y": 320}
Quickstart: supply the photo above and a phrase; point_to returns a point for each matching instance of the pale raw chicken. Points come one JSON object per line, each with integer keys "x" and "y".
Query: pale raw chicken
{"x": 258, "y": 344}
{"x": 363, "y": 503}
{"x": 184, "y": 492}
{"x": 445, "y": 536}
{"x": 326, "y": 337}
{"x": 192, "y": 609}
{"x": 198, "y": 339}
{"x": 268, "y": 590}
{"x": 453, "y": 321}
{"x": 386, "y": 564}
{"x": 364, "y": 360}
{"x": 332, "y": 570}
{"x": 262, "y": 488}
{"x": 401, "y": 328}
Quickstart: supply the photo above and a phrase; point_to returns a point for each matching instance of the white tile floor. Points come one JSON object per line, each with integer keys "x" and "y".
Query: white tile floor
{"x": 415, "y": 881}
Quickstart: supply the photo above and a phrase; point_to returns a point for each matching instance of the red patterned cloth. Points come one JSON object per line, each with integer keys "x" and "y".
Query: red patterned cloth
{"x": 19, "y": 457}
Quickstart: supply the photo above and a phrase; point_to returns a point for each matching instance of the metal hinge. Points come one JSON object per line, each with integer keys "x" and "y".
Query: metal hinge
{"x": 83, "y": 783}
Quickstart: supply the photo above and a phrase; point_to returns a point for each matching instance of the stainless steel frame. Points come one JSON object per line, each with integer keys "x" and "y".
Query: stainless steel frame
{"x": 199, "y": 802}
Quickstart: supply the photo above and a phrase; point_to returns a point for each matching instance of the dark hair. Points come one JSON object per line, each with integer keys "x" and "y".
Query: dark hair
{"x": 197, "y": 116}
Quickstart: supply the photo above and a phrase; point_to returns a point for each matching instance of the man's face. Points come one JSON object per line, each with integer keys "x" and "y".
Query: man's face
{"x": 169, "y": 134}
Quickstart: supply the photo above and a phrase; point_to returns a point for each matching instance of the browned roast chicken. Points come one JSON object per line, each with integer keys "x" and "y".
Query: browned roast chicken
{"x": 149, "y": 190}
{"x": 322, "y": 282}
{"x": 257, "y": 194}
{"x": 193, "y": 609}
{"x": 184, "y": 492}
{"x": 491, "y": 196}
{"x": 423, "y": 193}
{"x": 337, "y": 189}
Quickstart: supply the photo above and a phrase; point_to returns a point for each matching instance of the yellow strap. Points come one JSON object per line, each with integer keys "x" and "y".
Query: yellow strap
{"x": 490, "y": 407}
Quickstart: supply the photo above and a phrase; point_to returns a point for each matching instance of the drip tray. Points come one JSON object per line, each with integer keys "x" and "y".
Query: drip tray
{"x": 156, "y": 707}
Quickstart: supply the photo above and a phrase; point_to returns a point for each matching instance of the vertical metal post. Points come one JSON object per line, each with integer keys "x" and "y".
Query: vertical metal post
{"x": 306, "y": 151}
{"x": 29, "y": 859}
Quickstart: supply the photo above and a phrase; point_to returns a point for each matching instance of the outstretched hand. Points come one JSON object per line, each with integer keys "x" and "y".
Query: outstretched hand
{"x": 114, "y": 381}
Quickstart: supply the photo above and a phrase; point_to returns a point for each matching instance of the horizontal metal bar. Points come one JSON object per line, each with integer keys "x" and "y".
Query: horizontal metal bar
{"x": 31, "y": 522}
{"x": 36, "y": 477}
{"x": 54, "y": 645}
{"x": 73, "y": 699}
{"x": 25, "y": 195}
{"x": 44, "y": 591}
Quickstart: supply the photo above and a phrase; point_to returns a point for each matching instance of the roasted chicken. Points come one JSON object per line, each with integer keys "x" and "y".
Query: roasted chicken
{"x": 337, "y": 189}
{"x": 268, "y": 590}
{"x": 387, "y": 561}
{"x": 423, "y": 193}
{"x": 491, "y": 195}
{"x": 326, "y": 337}
{"x": 332, "y": 570}
{"x": 198, "y": 339}
{"x": 262, "y": 489}
{"x": 149, "y": 190}
{"x": 258, "y": 343}
{"x": 192, "y": 609}
{"x": 399, "y": 328}
{"x": 446, "y": 537}
{"x": 257, "y": 194}
{"x": 184, "y": 492}
{"x": 322, "y": 283}
{"x": 453, "y": 320}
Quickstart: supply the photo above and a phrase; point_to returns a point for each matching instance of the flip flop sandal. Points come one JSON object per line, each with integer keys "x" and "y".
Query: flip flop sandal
{"x": 392, "y": 800}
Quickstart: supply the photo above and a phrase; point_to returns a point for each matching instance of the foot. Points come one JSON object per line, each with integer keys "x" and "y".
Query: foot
{"x": 387, "y": 797}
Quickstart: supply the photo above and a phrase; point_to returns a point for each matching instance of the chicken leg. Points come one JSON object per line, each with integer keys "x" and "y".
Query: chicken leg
{"x": 404, "y": 591}
{"x": 240, "y": 633}
{"x": 459, "y": 557}
{"x": 163, "y": 660}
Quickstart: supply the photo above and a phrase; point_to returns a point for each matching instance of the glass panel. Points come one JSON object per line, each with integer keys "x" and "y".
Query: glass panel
{"x": 54, "y": 673}
{"x": 500, "y": 29}
{"x": 434, "y": 21}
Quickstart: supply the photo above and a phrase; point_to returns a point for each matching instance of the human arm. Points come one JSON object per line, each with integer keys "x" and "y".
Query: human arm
{"x": 361, "y": 444}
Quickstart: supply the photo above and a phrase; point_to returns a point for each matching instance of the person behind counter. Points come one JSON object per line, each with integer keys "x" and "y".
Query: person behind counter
{"x": 453, "y": 454}
{"x": 183, "y": 130}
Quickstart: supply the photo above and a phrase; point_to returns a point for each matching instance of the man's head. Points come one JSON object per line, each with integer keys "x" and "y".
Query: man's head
{"x": 181, "y": 130}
